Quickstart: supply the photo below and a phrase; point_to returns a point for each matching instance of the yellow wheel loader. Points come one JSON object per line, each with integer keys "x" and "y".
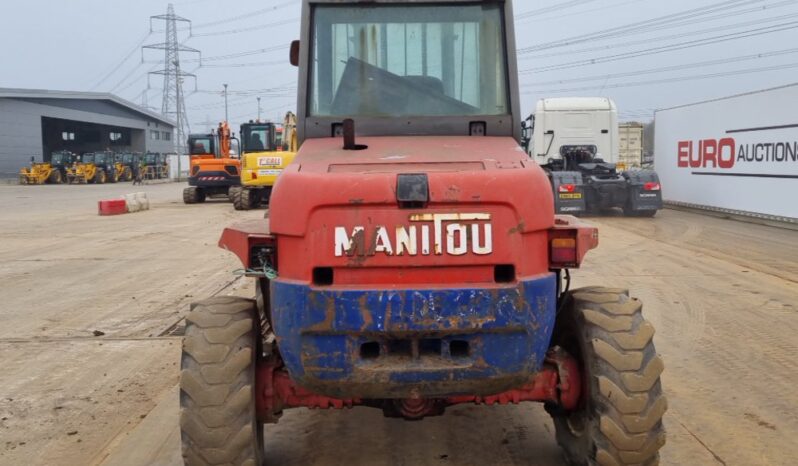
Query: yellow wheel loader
{"x": 264, "y": 157}
{"x": 123, "y": 167}
{"x": 94, "y": 167}
{"x": 52, "y": 172}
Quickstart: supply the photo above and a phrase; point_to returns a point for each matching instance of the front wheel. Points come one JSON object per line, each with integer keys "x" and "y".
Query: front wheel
{"x": 620, "y": 419}
{"x": 218, "y": 420}
{"x": 100, "y": 177}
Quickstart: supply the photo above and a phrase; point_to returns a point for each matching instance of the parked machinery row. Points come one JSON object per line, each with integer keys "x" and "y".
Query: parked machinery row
{"x": 96, "y": 168}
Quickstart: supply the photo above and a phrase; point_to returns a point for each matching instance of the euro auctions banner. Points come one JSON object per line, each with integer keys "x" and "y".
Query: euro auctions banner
{"x": 738, "y": 153}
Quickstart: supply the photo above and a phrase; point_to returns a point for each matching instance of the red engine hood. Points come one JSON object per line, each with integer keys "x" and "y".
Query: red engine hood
{"x": 461, "y": 170}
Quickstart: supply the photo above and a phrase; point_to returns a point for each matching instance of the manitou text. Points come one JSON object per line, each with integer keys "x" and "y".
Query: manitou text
{"x": 427, "y": 234}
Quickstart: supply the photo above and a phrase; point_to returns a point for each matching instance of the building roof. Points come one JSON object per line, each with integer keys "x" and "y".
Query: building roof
{"x": 75, "y": 95}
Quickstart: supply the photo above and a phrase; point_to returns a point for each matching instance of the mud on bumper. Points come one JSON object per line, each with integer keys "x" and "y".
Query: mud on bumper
{"x": 377, "y": 344}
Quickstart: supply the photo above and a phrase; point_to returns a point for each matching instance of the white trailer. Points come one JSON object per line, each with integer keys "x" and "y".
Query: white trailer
{"x": 737, "y": 154}
{"x": 575, "y": 121}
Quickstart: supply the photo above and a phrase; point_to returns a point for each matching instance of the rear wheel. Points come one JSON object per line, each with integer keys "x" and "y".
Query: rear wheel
{"x": 620, "y": 419}
{"x": 218, "y": 420}
{"x": 193, "y": 195}
{"x": 233, "y": 192}
{"x": 56, "y": 177}
{"x": 100, "y": 177}
{"x": 244, "y": 198}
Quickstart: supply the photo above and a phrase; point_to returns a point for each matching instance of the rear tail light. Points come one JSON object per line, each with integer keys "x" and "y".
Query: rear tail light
{"x": 563, "y": 251}
{"x": 254, "y": 175}
{"x": 651, "y": 186}
{"x": 567, "y": 188}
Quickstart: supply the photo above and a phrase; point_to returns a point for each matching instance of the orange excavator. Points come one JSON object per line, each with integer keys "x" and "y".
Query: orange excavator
{"x": 215, "y": 164}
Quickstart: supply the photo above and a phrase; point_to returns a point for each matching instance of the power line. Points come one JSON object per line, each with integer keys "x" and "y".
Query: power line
{"x": 724, "y": 27}
{"x": 685, "y": 66}
{"x": 122, "y": 62}
{"x": 247, "y": 29}
{"x": 246, "y": 15}
{"x": 549, "y": 9}
{"x": 248, "y": 53}
{"x": 670, "y": 80}
{"x": 640, "y": 25}
{"x": 248, "y": 65}
{"x": 667, "y": 48}
{"x": 591, "y": 10}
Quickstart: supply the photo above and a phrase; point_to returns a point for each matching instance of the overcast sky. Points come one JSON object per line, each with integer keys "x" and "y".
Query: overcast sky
{"x": 82, "y": 45}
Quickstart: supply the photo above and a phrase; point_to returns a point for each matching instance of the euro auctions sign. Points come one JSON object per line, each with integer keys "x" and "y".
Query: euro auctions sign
{"x": 727, "y": 153}
{"x": 738, "y": 153}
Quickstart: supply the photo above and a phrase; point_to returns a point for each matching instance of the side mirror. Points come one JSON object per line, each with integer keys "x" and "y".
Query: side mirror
{"x": 294, "y": 54}
{"x": 32, "y": 159}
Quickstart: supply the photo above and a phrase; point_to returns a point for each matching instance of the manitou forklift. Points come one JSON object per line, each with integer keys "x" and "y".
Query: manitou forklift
{"x": 215, "y": 165}
{"x": 412, "y": 259}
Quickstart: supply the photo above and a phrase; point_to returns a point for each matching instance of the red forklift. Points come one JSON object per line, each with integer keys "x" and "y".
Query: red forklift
{"x": 412, "y": 259}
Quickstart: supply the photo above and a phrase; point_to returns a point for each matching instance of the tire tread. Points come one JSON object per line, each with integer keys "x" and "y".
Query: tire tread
{"x": 624, "y": 371}
{"x": 217, "y": 419}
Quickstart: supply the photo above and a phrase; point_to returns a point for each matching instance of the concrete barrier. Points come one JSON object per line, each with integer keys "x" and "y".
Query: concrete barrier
{"x": 112, "y": 207}
{"x": 134, "y": 202}
{"x": 144, "y": 202}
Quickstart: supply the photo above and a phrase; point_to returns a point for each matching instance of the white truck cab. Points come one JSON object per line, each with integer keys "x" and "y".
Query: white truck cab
{"x": 574, "y": 121}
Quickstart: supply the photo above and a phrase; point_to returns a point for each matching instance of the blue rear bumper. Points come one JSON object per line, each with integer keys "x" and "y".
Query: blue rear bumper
{"x": 432, "y": 342}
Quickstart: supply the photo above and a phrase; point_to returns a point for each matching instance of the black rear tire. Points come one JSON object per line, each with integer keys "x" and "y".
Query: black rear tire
{"x": 193, "y": 195}
{"x": 218, "y": 418}
{"x": 241, "y": 197}
{"x": 234, "y": 195}
{"x": 620, "y": 420}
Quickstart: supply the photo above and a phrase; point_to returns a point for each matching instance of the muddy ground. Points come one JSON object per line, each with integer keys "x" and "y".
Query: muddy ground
{"x": 91, "y": 312}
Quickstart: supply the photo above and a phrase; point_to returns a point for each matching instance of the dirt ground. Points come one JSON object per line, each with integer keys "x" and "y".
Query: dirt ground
{"x": 91, "y": 310}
